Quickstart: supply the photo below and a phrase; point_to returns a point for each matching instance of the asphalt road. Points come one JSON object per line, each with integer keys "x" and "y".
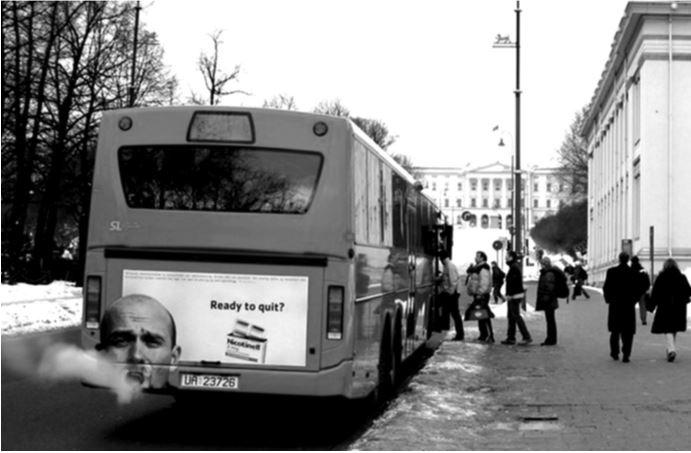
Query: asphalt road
{"x": 68, "y": 416}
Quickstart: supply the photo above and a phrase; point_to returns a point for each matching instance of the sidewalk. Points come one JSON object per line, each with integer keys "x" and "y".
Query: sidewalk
{"x": 573, "y": 396}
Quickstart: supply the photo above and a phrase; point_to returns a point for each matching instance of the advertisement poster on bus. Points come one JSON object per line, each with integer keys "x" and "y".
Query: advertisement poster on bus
{"x": 230, "y": 318}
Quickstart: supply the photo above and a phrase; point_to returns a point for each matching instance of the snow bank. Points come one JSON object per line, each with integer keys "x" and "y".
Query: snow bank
{"x": 36, "y": 308}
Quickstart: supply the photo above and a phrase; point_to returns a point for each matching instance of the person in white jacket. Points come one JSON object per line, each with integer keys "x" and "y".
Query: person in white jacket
{"x": 479, "y": 286}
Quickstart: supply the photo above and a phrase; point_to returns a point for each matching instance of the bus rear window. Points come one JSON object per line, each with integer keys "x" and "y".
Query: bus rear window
{"x": 224, "y": 179}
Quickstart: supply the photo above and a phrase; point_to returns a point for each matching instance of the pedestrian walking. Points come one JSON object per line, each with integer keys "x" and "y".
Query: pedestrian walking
{"x": 478, "y": 285}
{"x": 579, "y": 277}
{"x": 515, "y": 297}
{"x": 497, "y": 282}
{"x": 621, "y": 293}
{"x": 449, "y": 295}
{"x": 550, "y": 286}
{"x": 671, "y": 293}
{"x": 643, "y": 287}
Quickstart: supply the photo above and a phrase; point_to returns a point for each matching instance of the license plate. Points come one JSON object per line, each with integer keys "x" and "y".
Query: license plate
{"x": 209, "y": 381}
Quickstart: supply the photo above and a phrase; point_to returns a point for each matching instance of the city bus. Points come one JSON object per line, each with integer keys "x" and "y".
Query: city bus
{"x": 255, "y": 251}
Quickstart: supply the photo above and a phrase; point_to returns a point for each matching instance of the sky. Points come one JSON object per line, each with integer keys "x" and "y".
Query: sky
{"x": 426, "y": 69}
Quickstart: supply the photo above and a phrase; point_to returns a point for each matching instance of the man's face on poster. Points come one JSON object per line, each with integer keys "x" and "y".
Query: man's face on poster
{"x": 139, "y": 331}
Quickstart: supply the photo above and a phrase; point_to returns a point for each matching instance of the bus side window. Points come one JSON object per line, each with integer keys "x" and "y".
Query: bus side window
{"x": 399, "y": 211}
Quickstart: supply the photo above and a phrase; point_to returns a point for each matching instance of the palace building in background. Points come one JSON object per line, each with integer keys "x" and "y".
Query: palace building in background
{"x": 638, "y": 133}
{"x": 478, "y": 201}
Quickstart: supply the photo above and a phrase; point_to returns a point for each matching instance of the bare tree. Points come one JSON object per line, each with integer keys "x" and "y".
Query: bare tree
{"x": 376, "y": 130}
{"x": 281, "y": 101}
{"x": 573, "y": 158}
{"x": 215, "y": 79}
{"x": 333, "y": 108}
{"x": 63, "y": 63}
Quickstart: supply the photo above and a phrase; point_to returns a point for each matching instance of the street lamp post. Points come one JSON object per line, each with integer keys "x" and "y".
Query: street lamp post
{"x": 505, "y": 42}
{"x": 511, "y": 191}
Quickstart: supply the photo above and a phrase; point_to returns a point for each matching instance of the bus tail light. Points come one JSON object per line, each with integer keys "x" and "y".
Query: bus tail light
{"x": 92, "y": 311}
{"x": 334, "y": 321}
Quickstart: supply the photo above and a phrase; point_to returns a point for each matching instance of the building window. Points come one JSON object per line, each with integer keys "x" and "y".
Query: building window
{"x": 509, "y": 221}
{"x": 473, "y": 184}
{"x": 497, "y": 203}
{"x": 473, "y": 221}
{"x": 485, "y": 184}
{"x": 434, "y": 186}
{"x": 509, "y": 202}
{"x": 485, "y": 221}
{"x": 561, "y": 187}
{"x": 536, "y": 187}
{"x": 499, "y": 221}
{"x": 446, "y": 202}
{"x": 446, "y": 185}
{"x": 549, "y": 203}
{"x": 460, "y": 186}
{"x": 458, "y": 220}
{"x": 458, "y": 202}
{"x": 473, "y": 203}
{"x": 497, "y": 184}
{"x": 549, "y": 187}
{"x": 535, "y": 203}
{"x": 509, "y": 183}
{"x": 485, "y": 203}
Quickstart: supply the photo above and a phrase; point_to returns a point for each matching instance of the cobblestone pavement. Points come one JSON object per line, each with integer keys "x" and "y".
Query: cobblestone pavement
{"x": 573, "y": 396}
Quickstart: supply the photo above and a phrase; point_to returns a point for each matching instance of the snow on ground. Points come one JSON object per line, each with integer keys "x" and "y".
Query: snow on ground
{"x": 36, "y": 308}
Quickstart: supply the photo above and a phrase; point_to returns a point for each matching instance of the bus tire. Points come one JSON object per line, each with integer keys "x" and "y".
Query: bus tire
{"x": 385, "y": 381}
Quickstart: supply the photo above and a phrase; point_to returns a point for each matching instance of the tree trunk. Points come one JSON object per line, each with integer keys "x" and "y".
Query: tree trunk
{"x": 24, "y": 162}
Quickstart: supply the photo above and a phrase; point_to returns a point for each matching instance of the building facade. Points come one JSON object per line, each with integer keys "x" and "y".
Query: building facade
{"x": 638, "y": 134}
{"x": 481, "y": 198}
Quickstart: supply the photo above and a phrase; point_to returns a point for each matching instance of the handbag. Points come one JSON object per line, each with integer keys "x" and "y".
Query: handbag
{"x": 476, "y": 312}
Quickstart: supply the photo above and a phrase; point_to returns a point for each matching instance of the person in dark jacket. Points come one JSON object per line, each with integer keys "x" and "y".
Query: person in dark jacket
{"x": 671, "y": 293}
{"x": 497, "y": 282}
{"x": 515, "y": 296}
{"x": 621, "y": 291}
{"x": 550, "y": 286}
{"x": 643, "y": 286}
{"x": 579, "y": 277}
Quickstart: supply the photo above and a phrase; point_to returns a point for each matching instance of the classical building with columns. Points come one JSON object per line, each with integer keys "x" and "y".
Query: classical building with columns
{"x": 638, "y": 133}
{"x": 485, "y": 194}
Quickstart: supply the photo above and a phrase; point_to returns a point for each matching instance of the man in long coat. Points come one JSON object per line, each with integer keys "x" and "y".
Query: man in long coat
{"x": 620, "y": 291}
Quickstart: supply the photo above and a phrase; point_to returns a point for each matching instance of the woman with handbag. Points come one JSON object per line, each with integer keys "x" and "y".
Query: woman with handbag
{"x": 479, "y": 286}
{"x": 671, "y": 293}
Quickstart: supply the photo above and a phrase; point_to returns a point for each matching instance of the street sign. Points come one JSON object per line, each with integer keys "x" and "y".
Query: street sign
{"x": 466, "y": 216}
{"x": 497, "y": 245}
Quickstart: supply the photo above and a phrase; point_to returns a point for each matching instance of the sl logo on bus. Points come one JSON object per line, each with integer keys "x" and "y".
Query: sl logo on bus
{"x": 116, "y": 225}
